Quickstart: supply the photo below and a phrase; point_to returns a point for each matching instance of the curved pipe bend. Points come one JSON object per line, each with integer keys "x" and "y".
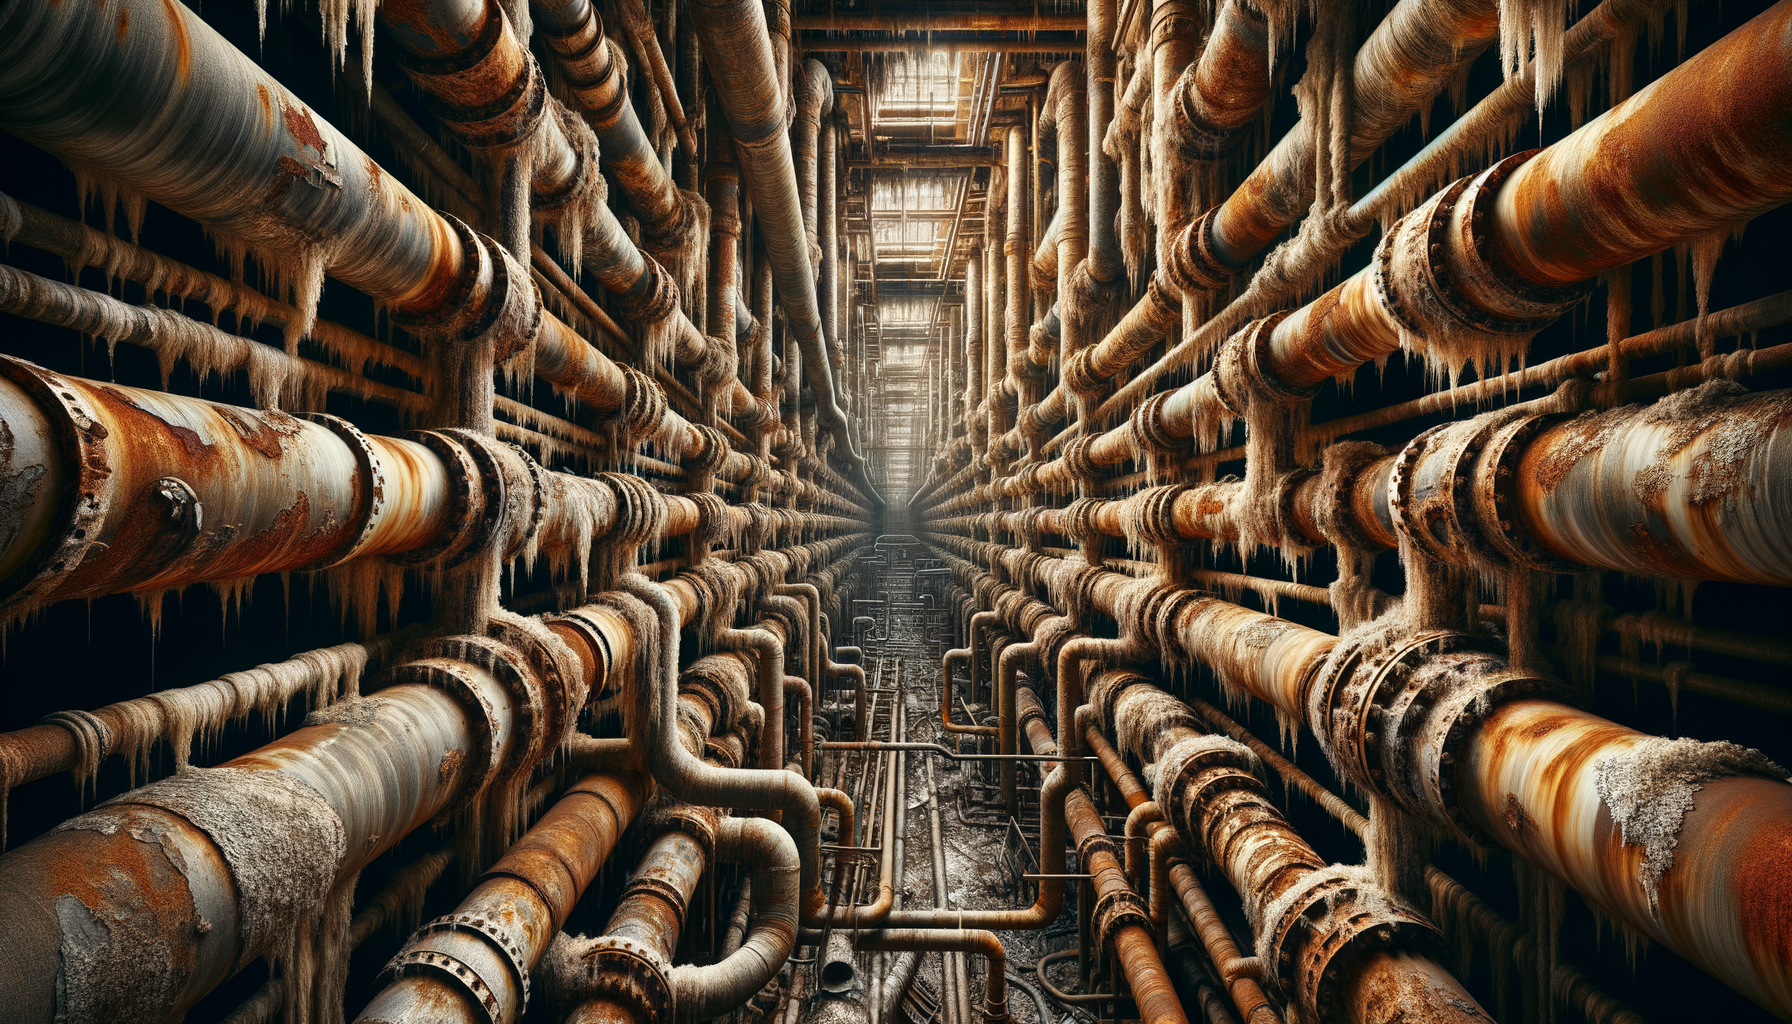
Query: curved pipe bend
{"x": 689, "y": 778}
{"x": 699, "y": 993}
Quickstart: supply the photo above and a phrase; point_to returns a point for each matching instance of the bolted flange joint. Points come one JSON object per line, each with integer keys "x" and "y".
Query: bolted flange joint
{"x": 1320, "y": 932}
{"x": 477, "y": 954}
{"x": 1395, "y": 713}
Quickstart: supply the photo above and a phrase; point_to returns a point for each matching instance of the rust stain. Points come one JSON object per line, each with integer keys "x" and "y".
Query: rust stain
{"x": 183, "y": 46}
{"x": 302, "y": 128}
{"x": 124, "y": 23}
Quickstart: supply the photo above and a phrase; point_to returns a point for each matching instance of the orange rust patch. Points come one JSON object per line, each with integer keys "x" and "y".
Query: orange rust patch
{"x": 267, "y": 103}
{"x": 124, "y": 23}
{"x": 302, "y": 128}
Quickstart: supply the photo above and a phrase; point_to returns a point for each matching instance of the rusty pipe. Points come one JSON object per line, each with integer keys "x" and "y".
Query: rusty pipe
{"x": 1223, "y": 91}
{"x": 218, "y": 894}
{"x": 1401, "y": 67}
{"x": 814, "y": 104}
{"x": 595, "y": 78}
{"x": 522, "y": 901}
{"x": 703, "y": 992}
{"x": 957, "y": 656}
{"x": 737, "y": 48}
{"x": 689, "y": 778}
{"x": 951, "y": 940}
{"x": 1122, "y": 922}
{"x": 1333, "y": 964}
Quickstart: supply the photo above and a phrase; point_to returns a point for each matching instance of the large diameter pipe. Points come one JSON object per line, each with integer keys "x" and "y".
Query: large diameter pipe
{"x": 237, "y": 152}
{"x": 227, "y": 144}
{"x": 737, "y": 47}
{"x": 246, "y": 851}
{"x": 127, "y": 489}
{"x": 1717, "y": 134}
{"x": 1520, "y": 243}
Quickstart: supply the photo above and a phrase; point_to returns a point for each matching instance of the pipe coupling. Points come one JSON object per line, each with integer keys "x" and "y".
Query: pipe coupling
{"x": 479, "y": 94}
{"x": 627, "y": 972}
{"x": 1453, "y": 492}
{"x": 1242, "y": 373}
{"x": 478, "y": 955}
{"x": 1394, "y": 712}
{"x": 1194, "y": 266}
{"x": 1119, "y": 907}
{"x": 1195, "y": 773}
{"x": 1433, "y": 275}
{"x": 1319, "y": 933}
{"x": 493, "y": 296}
{"x": 506, "y": 703}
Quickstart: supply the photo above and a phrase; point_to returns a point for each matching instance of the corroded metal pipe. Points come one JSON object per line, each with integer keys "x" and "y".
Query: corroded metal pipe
{"x": 455, "y": 970}
{"x": 737, "y": 47}
{"x": 1341, "y": 947}
{"x": 465, "y": 721}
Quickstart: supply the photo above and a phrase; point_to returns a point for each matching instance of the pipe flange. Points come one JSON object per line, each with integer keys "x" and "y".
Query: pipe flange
{"x": 1198, "y": 769}
{"x": 1196, "y": 137}
{"x": 1116, "y": 909}
{"x": 1358, "y": 682}
{"x": 1527, "y": 301}
{"x": 1288, "y": 524}
{"x": 503, "y": 491}
{"x": 1496, "y": 500}
{"x": 1447, "y": 728}
{"x": 688, "y": 819}
{"x": 1078, "y": 374}
{"x": 465, "y": 501}
{"x": 510, "y": 949}
{"x": 590, "y": 630}
{"x": 452, "y": 969}
{"x": 630, "y": 973}
{"x": 1240, "y": 374}
{"x": 448, "y": 317}
{"x": 557, "y": 669}
{"x": 1148, "y": 429}
{"x": 1430, "y": 494}
{"x": 370, "y": 502}
{"x": 1381, "y": 279}
{"x": 507, "y": 121}
{"x": 1400, "y": 486}
{"x": 1194, "y": 266}
{"x": 529, "y": 737}
{"x": 86, "y": 496}
{"x": 1343, "y": 467}
{"x": 1328, "y": 925}
{"x": 1095, "y": 843}
{"x": 480, "y": 762}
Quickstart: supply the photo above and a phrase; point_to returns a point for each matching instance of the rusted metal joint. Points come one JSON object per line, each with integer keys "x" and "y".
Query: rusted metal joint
{"x": 1198, "y": 770}
{"x": 630, "y": 973}
{"x": 469, "y": 951}
{"x": 1320, "y": 932}
{"x": 479, "y": 93}
{"x": 1394, "y": 715}
{"x": 1196, "y": 137}
{"x": 1453, "y": 492}
{"x": 1193, "y": 265}
{"x": 494, "y": 293}
{"x": 1118, "y": 908}
{"x": 1242, "y": 374}
{"x": 1433, "y": 275}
